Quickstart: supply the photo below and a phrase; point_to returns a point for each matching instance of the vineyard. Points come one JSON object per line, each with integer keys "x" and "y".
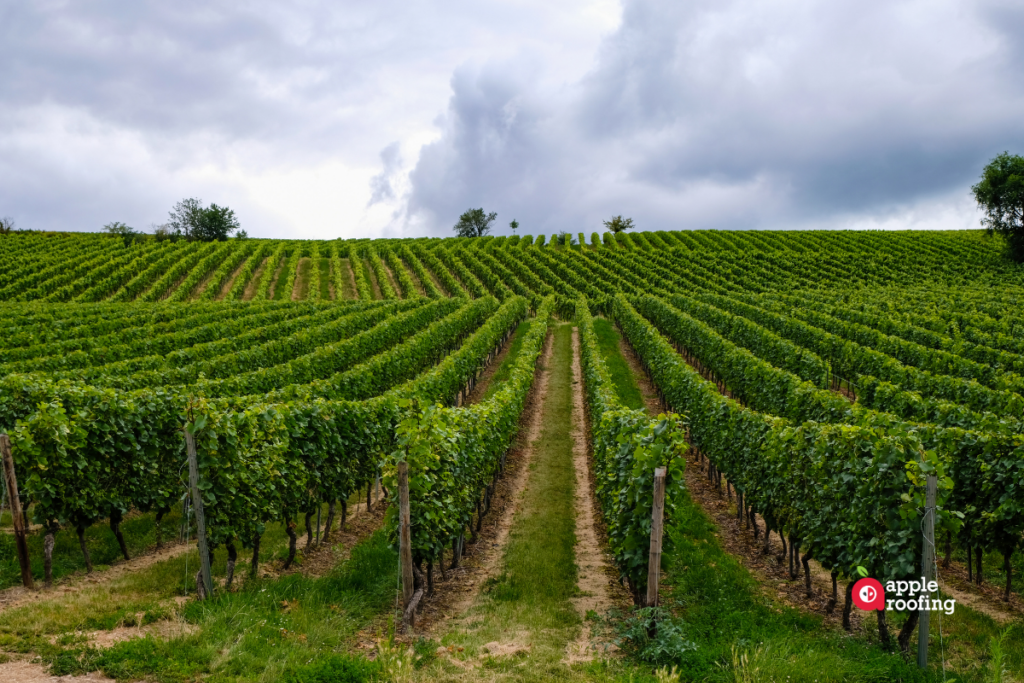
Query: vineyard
{"x": 815, "y": 378}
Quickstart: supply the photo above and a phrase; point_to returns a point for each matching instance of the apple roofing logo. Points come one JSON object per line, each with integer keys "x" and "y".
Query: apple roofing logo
{"x": 868, "y": 595}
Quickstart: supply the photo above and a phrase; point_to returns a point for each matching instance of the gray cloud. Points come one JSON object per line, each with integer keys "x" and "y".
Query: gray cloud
{"x": 726, "y": 114}
{"x": 114, "y": 109}
{"x": 381, "y": 184}
{"x": 741, "y": 114}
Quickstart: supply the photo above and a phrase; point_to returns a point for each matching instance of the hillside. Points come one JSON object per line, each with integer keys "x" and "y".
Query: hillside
{"x": 86, "y": 268}
{"x": 807, "y": 380}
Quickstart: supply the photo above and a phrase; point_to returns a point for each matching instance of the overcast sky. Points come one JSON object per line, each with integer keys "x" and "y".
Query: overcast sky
{"x": 346, "y": 119}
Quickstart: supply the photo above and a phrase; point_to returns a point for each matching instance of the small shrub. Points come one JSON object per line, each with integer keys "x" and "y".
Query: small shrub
{"x": 425, "y": 650}
{"x": 155, "y": 615}
{"x": 667, "y": 644}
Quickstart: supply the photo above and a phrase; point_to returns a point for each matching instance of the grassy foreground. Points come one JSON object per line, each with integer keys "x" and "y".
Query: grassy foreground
{"x": 270, "y": 629}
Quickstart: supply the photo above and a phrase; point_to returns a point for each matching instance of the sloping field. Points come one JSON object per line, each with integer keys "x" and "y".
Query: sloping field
{"x": 816, "y": 376}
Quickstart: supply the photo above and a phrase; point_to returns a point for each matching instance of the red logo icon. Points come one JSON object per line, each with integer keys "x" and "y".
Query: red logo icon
{"x": 868, "y": 595}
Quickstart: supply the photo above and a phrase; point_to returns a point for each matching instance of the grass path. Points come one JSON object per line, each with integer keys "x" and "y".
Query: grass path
{"x": 522, "y": 623}
{"x": 526, "y": 608}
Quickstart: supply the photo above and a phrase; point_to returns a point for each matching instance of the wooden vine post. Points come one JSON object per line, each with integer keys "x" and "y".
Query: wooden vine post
{"x": 16, "y": 514}
{"x": 927, "y": 567}
{"x": 405, "y": 544}
{"x": 206, "y": 589}
{"x": 657, "y": 521}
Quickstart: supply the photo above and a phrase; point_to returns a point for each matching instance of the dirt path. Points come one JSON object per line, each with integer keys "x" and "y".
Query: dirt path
{"x": 30, "y": 672}
{"x": 463, "y": 585}
{"x": 254, "y": 281}
{"x": 415, "y": 279}
{"x": 392, "y": 279}
{"x": 73, "y": 583}
{"x": 598, "y": 583}
{"x": 321, "y": 559}
{"x": 517, "y": 619}
{"x": 348, "y": 281}
{"x": 316, "y": 561}
{"x": 359, "y": 524}
{"x": 301, "y": 289}
{"x": 437, "y": 281}
{"x": 326, "y": 274}
{"x": 988, "y": 599}
{"x": 205, "y": 282}
{"x": 173, "y": 288}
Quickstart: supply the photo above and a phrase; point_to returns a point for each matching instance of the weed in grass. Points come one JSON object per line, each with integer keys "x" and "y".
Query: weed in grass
{"x": 997, "y": 672}
{"x": 667, "y": 675}
{"x": 967, "y": 636}
{"x": 154, "y": 615}
{"x": 652, "y": 636}
{"x": 425, "y": 650}
{"x": 335, "y": 668}
{"x": 395, "y": 660}
{"x": 784, "y": 661}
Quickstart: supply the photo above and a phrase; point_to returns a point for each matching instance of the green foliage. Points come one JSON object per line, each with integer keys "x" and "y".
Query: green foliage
{"x": 470, "y": 282}
{"x": 628, "y": 447}
{"x": 306, "y": 393}
{"x": 667, "y": 645}
{"x": 284, "y": 286}
{"x": 1000, "y": 194}
{"x": 618, "y": 224}
{"x": 802, "y": 478}
{"x": 127, "y": 234}
{"x": 405, "y": 282}
{"x": 334, "y": 669}
{"x": 475, "y": 223}
{"x": 453, "y": 453}
{"x": 383, "y": 281}
{"x": 217, "y": 223}
{"x": 189, "y": 218}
